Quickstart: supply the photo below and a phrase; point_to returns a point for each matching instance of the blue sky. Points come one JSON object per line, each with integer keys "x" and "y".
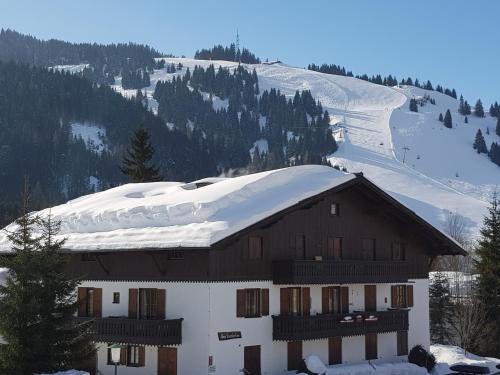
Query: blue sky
{"x": 451, "y": 42}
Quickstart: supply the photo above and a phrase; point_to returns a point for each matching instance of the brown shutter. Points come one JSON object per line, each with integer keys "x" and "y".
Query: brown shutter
{"x": 123, "y": 356}
{"x": 306, "y": 301}
{"x": 394, "y": 296}
{"x": 284, "y": 301}
{"x": 142, "y": 356}
{"x": 265, "y": 301}
{"x": 409, "y": 295}
{"x": 82, "y": 303}
{"x": 161, "y": 301}
{"x": 324, "y": 300}
{"x": 132, "y": 303}
{"x": 240, "y": 303}
{"x": 97, "y": 302}
{"x": 344, "y": 299}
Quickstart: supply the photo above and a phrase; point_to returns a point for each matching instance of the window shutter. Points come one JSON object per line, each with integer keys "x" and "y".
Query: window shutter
{"x": 306, "y": 301}
{"x": 394, "y": 296}
{"x": 325, "y": 300}
{"x": 284, "y": 301}
{"x": 97, "y": 302}
{"x": 344, "y": 299}
{"x": 132, "y": 303}
{"x": 123, "y": 356}
{"x": 82, "y": 303}
{"x": 409, "y": 295}
{"x": 142, "y": 356}
{"x": 240, "y": 303}
{"x": 161, "y": 301}
{"x": 265, "y": 301}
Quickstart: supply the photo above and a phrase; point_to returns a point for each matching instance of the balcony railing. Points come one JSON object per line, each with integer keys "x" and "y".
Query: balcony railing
{"x": 313, "y": 327}
{"x": 343, "y": 271}
{"x": 135, "y": 331}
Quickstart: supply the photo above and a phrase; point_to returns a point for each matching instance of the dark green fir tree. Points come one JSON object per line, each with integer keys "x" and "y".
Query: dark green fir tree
{"x": 37, "y": 303}
{"x": 137, "y": 164}
{"x": 488, "y": 268}
{"x": 479, "y": 143}
{"x": 439, "y": 308}
{"x": 447, "y": 121}
{"x": 440, "y": 117}
{"x": 478, "y": 109}
{"x": 497, "y": 130}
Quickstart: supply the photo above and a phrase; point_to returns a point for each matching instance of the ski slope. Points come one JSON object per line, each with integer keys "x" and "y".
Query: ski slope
{"x": 372, "y": 123}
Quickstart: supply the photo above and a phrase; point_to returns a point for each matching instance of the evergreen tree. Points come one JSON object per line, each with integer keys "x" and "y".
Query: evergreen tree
{"x": 37, "y": 303}
{"x": 479, "y": 143}
{"x": 466, "y": 120}
{"x": 137, "y": 163}
{"x": 439, "y": 308}
{"x": 494, "y": 153}
{"x": 447, "y": 119}
{"x": 488, "y": 268}
{"x": 413, "y": 105}
{"x": 478, "y": 109}
{"x": 497, "y": 130}
{"x": 440, "y": 117}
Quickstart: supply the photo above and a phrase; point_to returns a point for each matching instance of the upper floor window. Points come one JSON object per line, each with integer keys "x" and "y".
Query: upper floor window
{"x": 116, "y": 297}
{"x": 147, "y": 303}
{"x": 255, "y": 248}
{"x": 175, "y": 254}
{"x": 251, "y": 303}
{"x": 398, "y": 251}
{"x": 88, "y": 257}
{"x": 335, "y": 248}
{"x": 335, "y": 209}
{"x": 90, "y": 302}
{"x": 401, "y": 296}
{"x": 369, "y": 249}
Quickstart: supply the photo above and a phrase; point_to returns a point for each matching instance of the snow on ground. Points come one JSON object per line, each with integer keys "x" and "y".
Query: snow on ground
{"x": 93, "y": 135}
{"x": 262, "y": 145}
{"x": 447, "y": 356}
{"x": 73, "y": 69}
{"x": 173, "y": 214}
{"x": 69, "y": 372}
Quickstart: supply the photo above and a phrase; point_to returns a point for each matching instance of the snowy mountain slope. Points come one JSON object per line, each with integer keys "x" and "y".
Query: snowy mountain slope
{"x": 373, "y": 124}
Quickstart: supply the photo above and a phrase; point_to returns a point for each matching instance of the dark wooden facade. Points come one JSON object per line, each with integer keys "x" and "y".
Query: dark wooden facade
{"x": 296, "y": 246}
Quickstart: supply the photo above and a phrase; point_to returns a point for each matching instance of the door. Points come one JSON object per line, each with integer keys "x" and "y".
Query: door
{"x": 335, "y": 350}
{"x": 167, "y": 361}
{"x": 370, "y": 298}
{"x": 331, "y": 300}
{"x": 371, "y": 346}
{"x": 252, "y": 360}
{"x": 294, "y": 355}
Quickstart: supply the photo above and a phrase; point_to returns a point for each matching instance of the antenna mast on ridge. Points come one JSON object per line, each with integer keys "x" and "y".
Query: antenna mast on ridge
{"x": 237, "y": 47}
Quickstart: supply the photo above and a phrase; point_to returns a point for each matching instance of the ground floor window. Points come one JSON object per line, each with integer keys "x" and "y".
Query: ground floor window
{"x": 131, "y": 356}
{"x": 294, "y": 354}
{"x": 402, "y": 342}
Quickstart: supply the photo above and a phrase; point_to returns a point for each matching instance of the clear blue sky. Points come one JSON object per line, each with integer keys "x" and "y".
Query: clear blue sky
{"x": 451, "y": 42}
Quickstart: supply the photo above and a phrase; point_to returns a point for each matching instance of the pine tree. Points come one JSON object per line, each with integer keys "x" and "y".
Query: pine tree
{"x": 440, "y": 117}
{"x": 479, "y": 143}
{"x": 488, "y": 268}
{"x": 497, "y": 130}
{"x": 478, "y": 109}
{"x": 37, "y": 303}
{"x": 137, "y": 163}
{"x": 439, "y": 307}
{"x": 447, "y": 119}
{"x": 466, "y": 120}
{"x": 413, "y": 105}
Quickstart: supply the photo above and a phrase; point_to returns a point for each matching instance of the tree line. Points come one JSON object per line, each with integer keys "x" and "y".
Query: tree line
{"x": 230, "y": 53}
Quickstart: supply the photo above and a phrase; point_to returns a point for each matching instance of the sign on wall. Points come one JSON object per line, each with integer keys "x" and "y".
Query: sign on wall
{"x": 229, "y": 335}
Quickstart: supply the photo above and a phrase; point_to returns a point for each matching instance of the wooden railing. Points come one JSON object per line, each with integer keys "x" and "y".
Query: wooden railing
{"x": 135, "y": 331}
{"x": 288, "y": 328}
{"x": 343, "y": 271}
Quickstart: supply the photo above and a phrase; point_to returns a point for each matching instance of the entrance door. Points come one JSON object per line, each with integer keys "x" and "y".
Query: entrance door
{"x": 335, "y": 350}
{"x": 252, "y": 360}
{"x": 370, "y": 298}
{"x": 167, "y": 361}
{"x": 294, "y": 355}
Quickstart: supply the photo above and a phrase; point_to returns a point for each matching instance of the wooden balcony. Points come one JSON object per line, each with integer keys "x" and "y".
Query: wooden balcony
{"x": 135, "y": 331}
{"x": 343, "y": 271}
{"x": 289, "y": 328}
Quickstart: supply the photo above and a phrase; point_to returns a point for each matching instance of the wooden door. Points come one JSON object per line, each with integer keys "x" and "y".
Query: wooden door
{"x": 370, "y": 298}
{"x": 252, "y": 360}
{"x": 294, "y": 352}
{"x": 334, "y": 350}
{"x": 371, "y": 346}
{"x": 167, "y": 361}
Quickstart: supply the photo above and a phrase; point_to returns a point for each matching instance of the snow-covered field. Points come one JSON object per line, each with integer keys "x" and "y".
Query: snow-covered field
{"x": 92, "y": 134}
{"x": 447, "y": 356}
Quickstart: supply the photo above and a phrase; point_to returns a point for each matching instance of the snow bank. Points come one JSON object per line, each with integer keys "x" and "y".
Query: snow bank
{"x": 447, "y": 355}
{"x": 174, "y": 214}
{"x": 314, "y": 364}
{"x": 382, "y": 368}
{"x": 69, "y": 372}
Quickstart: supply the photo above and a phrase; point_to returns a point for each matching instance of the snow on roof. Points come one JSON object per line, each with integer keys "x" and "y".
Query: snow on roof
{"x": 168, "y": 215}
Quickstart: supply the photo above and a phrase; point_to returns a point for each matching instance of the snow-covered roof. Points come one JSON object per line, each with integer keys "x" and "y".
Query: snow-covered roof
{"x": 174, "y": 214}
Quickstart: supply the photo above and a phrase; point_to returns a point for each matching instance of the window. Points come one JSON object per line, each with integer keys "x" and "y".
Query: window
{"x": 331, "y": 300}
{"x": 368, "y": 249}
{"x": 335, "y": 248}
{"x": 252, "y": 303}
{"x": 398, "y": 251}
{"x": 133, "y": 356}
{"x": 175, "y": 254}
{"x": 116, "y": 297}
{"x": 334, "y": 209}
{"x": 402, "y": 296}
{"x": 300, "y": 247}
{"x": 88, "y": 257}
{"x": 255, "y": 250}
{"x": 147, "y": 303}
{"x": 402, "y": 342}
{"x": 295, "y": 301}
{"x": 90, "y": 303}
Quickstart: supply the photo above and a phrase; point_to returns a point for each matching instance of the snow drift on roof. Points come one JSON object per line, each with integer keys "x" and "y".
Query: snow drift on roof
{"x": 166, "y": 215}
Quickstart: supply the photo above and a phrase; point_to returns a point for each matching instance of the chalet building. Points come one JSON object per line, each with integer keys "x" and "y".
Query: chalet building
{"x": 251, "y": 274}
